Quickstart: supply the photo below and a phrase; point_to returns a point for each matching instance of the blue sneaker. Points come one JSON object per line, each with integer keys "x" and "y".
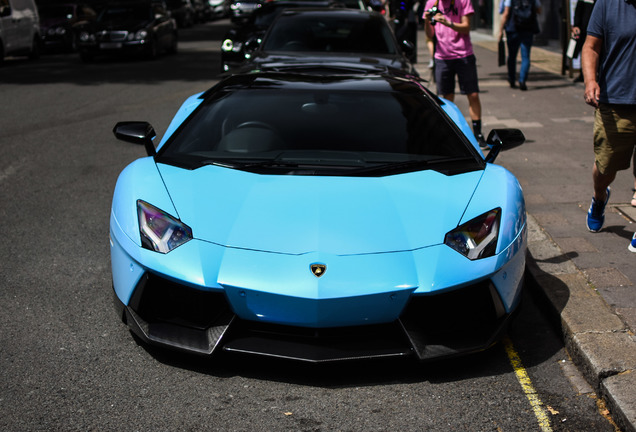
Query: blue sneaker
{"x": 596, "y": 214}
{"x": 632, "y": 245}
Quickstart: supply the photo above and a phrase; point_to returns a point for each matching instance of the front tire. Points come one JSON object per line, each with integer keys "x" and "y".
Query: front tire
{"x": 173, "y": 48}
{"x": 35, "y": 49}
{"x": 153, "y": 50}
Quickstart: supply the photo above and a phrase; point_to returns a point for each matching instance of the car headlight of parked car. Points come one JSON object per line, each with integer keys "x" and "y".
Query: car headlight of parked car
{"x": 140, "y": 35}
{"x": 159, "y": 231}
{"x": 56, "y": 31}
{"x": 476, "y": 238}
{"x": 86, "y": 37}
{"x": 229, "y": 45}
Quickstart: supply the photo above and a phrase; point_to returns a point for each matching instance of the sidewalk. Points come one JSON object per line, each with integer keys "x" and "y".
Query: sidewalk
{"x": 587, "y": 278}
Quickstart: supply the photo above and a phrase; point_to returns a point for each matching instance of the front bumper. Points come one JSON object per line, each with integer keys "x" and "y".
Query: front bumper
{"x": 115, "y": 48}
{"x": 169, "y": 315}
{"x": 57, "y": 42}
{"x": 249, "y": 306}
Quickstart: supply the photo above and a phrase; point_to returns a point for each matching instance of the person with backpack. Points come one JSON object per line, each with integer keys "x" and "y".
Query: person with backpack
{"x": 519, "y": 21}
{"x": 448, "y": 22}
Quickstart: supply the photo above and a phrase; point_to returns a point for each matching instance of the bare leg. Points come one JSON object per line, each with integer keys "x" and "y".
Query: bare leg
{"x": 601, "y": 183}
{"x": 474, "y": 106}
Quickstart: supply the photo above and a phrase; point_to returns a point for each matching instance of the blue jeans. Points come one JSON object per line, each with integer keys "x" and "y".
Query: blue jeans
{"x": 514, "y": 41}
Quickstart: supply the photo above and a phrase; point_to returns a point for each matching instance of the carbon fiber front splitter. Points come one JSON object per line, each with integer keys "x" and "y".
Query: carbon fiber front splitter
{"x": 170, "y": 315}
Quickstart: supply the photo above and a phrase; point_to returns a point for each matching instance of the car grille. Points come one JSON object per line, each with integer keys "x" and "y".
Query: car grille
{"x": 430, "y": 327}
{"x": 465, "y": 320}
{"x": 112, "y": 36}
{"x": 171, "y": 314}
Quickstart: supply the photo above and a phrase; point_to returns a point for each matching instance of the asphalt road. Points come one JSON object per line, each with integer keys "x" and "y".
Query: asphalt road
{"x": 67, "y": 363}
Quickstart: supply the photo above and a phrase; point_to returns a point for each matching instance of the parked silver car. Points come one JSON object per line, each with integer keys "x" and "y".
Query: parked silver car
{"x": 19, "y": 28}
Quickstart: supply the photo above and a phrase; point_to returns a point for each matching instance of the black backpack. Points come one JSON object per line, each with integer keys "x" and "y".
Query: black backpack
{"x": 524, "y": 15}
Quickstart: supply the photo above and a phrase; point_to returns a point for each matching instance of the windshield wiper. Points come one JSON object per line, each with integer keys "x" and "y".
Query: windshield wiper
{"x": 281, "y": 163}
{"x": 248, "y": 163}
{"x": 408, "y": 164}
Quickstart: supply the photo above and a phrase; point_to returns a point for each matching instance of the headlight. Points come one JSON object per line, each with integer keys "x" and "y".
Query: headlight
{"x": 60, "y": 31}
{"x": 86, "y": 37}
{"x": 141, "y": 35}
{"x": 159, "y": 231}
{"x": 476, "y": 238}
{"x": 227, "y": 45}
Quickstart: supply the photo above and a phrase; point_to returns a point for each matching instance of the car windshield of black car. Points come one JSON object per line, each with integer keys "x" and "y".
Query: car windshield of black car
{"x": 264, "y": 16}
{"x": 126, "y": 13}
{"x": 282, "y": 129}
{"x": 61, "y": 11}
{"x": 330, "y": 33}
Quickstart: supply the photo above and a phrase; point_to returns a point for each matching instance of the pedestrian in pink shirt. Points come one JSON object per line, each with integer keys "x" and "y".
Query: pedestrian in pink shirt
{"x": 448, "y": 21}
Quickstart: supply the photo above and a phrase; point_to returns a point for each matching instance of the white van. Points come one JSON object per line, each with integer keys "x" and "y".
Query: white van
{"x": 19, "y": 28}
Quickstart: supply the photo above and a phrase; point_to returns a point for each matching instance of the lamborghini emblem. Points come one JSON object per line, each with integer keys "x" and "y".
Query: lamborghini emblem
{"x": 318, "y": 269}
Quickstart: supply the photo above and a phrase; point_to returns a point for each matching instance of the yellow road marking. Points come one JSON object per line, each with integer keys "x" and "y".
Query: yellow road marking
{"x": 526, "y": 384}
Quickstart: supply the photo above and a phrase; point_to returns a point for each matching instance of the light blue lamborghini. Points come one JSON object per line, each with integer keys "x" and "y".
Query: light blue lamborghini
{"x": 317, "y": 218}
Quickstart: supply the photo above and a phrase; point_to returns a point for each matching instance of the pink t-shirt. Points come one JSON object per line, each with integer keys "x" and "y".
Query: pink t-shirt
{"x": 451, "y": 44}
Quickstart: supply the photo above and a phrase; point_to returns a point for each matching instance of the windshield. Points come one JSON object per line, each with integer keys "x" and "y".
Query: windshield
{"x": 264, "y": 16}
{"x": 354, "y": 130}
{"x": 334, "y": 33}
{"x": 56, "y": 11}
{"x": 126, "y": 13}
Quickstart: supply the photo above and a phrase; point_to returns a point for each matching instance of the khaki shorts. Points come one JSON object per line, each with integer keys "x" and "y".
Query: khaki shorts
{"x": 614, "y": 137}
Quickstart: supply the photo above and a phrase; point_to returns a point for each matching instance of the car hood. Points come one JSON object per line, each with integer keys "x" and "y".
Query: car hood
{"x": 264, "y": 60}
{"x": 303, "y": 214}
{"x": 130, "y": 26}
{"x": 48, "y": 22}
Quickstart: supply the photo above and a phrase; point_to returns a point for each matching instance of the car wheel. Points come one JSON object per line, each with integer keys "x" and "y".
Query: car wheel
{"x": 152, "y": 51}
{"x": 71, "y": 45}
{"x": 35, "y": 48}
{"x": 173, "y": 48}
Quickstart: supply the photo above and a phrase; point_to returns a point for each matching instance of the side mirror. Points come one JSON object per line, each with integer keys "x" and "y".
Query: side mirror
{"x": 141, "y": 133}
{"x": 408, "y": 48}
{"x": 497, "y": 138}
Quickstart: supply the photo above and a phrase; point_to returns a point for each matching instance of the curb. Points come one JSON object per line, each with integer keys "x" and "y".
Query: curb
{"x": 599, "y": 343}
{"x": 597, "y": 340}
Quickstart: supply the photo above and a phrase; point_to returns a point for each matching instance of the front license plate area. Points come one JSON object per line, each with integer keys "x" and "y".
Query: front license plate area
{"x": 110, "y": 45}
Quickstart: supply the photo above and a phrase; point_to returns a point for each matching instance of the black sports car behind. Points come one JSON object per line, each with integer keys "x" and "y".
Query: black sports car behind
{"x": 301, "y": 38}
{"x": 245, "y": 37}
